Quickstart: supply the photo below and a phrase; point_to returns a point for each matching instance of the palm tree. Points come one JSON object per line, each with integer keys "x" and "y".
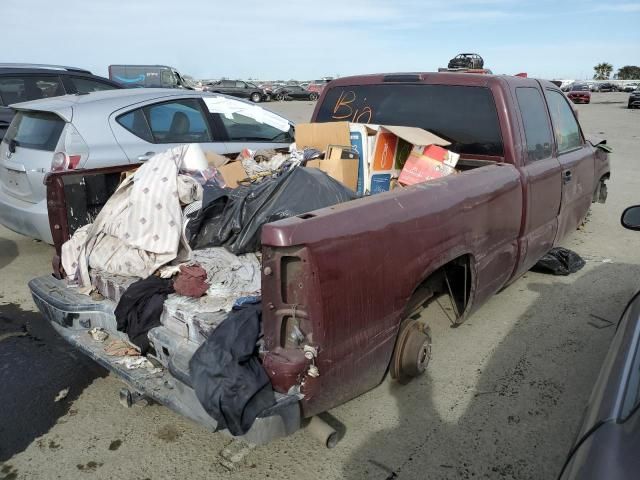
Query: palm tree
{"x": 603, "y": 71}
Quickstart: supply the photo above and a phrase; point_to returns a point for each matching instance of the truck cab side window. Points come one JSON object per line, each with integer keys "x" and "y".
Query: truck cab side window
{"x": 536, "y": 123}
{"x": 565, "y": 126}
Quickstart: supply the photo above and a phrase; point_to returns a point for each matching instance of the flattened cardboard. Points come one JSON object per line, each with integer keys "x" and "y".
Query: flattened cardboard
{"x": 416, "y": 136}
{"x": 340, "y": 163}
{"x": 232, "y": 172}
{"x": 321, "y": 135}
{"x": 215, "y": 159}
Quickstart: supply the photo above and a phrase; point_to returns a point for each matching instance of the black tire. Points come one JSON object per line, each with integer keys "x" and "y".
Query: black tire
{"x": 412, "y": 351}
{"x": 280, "y": 97}
{"x": 313, "y": 96}
{"x": 256, "y": 97}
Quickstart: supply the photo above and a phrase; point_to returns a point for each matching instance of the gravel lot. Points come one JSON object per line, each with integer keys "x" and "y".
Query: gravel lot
{"x": 502, "y": 397}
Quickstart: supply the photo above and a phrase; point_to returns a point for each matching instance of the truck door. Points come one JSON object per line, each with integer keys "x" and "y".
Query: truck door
{"x": 542, "y": 182}
{"x": 577, "y": 161}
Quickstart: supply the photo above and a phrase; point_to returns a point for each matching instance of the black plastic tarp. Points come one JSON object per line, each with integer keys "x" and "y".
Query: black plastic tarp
{"x": 233, "y": 218}
{"x": 559, "y": 261}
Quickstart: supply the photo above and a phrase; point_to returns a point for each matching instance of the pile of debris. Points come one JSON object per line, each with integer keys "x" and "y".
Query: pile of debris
{"x": 177, "y": 246}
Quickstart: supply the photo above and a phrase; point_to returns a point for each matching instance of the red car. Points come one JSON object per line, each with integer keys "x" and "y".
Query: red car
{"x": 579, "y": 93}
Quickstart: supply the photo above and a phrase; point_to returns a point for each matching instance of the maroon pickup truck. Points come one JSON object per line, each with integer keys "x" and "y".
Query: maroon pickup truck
{"x": 342, "y": 287}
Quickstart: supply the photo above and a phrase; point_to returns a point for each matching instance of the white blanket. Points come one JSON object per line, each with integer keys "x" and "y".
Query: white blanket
{"x": 139, "y": 229}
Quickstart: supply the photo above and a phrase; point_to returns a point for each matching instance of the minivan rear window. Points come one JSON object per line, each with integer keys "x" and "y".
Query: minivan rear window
{"x": 36, "y": 130}
{"x": 465, "y": 116}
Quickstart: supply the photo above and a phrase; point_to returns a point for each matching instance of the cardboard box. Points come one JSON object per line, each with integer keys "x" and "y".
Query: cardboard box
{"x": 393, "y": 146}
{"x": 382, "y": 149}
{"x": 341, "y": 163}
{"x": 428, "y": 163}
{"x": 321, "y": 135}
{"x": 215, "y": 159}
{"x": 233, "y": 172}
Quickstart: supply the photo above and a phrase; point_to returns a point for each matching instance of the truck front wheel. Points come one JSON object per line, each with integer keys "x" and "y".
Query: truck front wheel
{"x": 412, "y": 351}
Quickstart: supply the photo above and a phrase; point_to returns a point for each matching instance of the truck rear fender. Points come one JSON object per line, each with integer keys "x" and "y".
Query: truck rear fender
{"x": 453, "y": 277}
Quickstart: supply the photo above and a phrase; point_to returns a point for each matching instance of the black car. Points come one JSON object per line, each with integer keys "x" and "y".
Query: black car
{"x": 238, "y": 88}
{"x": 294, "y": 92}
{"x": 607, "y": 87}
{"x": 634, "y": 99}
{"x": 20, "y": 82}
{"x": 466, "y": 60}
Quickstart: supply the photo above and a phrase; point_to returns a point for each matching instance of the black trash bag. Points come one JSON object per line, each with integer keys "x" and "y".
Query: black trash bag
{"x": 227, "y": 376}
{"x": 140, "y": 308}
{"x": 559, "y": 261}
{"x": 214, "y": 199}
{"x": 235, "y": 220}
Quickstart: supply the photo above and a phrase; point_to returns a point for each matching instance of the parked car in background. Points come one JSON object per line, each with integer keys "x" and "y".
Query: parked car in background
{"x": 20, "y": 82}
{"x": 629, "y": 87}
{"x": 109, "y": 128}
{"x": 294, "y": 92}
{"x": 579, "y": 93}
{"x": 240, "y": 89}
{"x": 148, "y": 76}
{"x": 608, "y": 440}
{"x": 466, "y": 60}
{"x": 634, "y": 99}
{"x": 607, "y": 87}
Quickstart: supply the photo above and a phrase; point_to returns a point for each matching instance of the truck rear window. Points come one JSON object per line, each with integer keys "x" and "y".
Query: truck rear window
{"x": 36, "y": 130}
{"x": 465, "y": 116}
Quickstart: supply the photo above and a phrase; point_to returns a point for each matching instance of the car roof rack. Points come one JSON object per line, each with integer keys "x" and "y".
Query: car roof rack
{"x": 43, "y": 65}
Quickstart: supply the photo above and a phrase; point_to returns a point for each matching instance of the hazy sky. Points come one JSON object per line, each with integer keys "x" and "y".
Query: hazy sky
{"x": 301, "y": 39}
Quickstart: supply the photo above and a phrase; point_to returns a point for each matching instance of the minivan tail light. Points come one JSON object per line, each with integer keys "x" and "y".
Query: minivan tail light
{"x": 59, "y": 162}
{"x": 62, "y": 161}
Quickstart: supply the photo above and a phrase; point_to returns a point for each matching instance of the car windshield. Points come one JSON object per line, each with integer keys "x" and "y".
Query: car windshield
{"x": 465, "y": 116}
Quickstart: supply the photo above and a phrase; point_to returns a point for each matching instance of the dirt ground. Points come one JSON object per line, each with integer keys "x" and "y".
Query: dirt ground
{"x": 501, "y": 399}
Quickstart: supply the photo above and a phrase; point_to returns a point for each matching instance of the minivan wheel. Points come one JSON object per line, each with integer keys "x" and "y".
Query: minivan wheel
{"x": 412, "y": 351}
{"x": 256, "y": 97}
{"x": 313, "y": 96}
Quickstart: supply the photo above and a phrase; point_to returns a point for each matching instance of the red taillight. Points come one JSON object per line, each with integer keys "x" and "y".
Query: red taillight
{"x": 62, "y": 161}
{"x": 73, "y": 161}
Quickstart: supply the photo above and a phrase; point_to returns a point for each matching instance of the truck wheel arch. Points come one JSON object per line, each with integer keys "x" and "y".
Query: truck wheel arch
{"x": 456, "y": 275}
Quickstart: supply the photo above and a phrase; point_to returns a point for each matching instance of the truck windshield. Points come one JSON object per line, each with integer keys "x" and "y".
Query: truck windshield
{"x": 465, "y": 116}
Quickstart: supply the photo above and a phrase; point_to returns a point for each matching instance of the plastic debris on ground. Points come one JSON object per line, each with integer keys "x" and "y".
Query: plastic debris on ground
{"x": 559, "y": 261}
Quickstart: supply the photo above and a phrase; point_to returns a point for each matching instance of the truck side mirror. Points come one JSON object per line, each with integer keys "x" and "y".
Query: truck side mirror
{"x": 631, "y": 218}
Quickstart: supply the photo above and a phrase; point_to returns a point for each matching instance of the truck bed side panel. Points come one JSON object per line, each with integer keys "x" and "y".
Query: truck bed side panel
{"x": 365, "y": 258}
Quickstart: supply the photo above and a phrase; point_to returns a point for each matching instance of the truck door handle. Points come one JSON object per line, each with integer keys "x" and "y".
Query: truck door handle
{"x": 145, "y": 157}
{"x": 566, "y": 177}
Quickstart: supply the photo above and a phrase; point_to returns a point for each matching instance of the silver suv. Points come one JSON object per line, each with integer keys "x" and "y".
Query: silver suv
{"x": 116, "y": 127}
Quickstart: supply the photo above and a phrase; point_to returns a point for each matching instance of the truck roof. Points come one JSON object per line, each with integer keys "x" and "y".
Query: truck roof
{"x": 442, "y": 78}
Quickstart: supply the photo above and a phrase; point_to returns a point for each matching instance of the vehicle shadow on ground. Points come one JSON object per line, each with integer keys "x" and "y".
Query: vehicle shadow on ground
{"x": 8, "y": 252}
{"x": 528, "y": 401}
{"x": 35, "y": 366}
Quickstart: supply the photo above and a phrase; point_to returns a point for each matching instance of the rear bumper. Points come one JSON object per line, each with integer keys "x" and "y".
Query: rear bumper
{"x": 29, "y": 219}
{"x": 73, "y": 314}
